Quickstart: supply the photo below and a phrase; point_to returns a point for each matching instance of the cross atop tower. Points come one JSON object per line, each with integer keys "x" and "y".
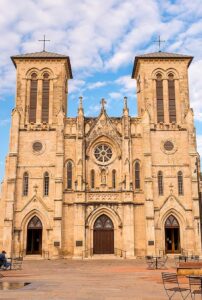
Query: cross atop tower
{"x": 159, "y": 41}
{"x": 44, "y": 42}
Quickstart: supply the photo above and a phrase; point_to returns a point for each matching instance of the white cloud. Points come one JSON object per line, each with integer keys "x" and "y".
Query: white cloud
{"x": 76, "y": 86}
{"x": 195, "y": 84}
{"x": 115, "y": 95}
{"x": 97, "y": 84}
{"x": 127, "y": 84}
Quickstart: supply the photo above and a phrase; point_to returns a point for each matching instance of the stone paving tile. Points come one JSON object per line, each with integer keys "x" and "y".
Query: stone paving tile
{"x": 87, "y": 280}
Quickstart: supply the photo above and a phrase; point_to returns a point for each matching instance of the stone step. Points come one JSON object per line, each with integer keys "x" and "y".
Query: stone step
{"x": 104, "y": 256}
{"x": 33, "y": 257}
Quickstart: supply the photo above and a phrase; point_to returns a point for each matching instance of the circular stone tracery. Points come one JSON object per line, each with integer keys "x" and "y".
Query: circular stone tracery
{"x": 103, "y": 153}
{"x": 37, "y": 146}
{"x": 168, "y": 145}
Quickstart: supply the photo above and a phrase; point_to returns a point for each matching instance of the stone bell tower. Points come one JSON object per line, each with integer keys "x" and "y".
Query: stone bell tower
{"x": 34, "y": 165}
{"x": 162, "y": 86}
{"x": 169, "y": 147}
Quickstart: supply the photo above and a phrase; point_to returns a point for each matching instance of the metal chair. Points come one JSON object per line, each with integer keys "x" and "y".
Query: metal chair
{"x": 195, "y": 286}
{"x": 162, "y": 261}
{"x": 150, "y": 261}
{"x": 171, "y": 286}
{"x": 17, "y": 263}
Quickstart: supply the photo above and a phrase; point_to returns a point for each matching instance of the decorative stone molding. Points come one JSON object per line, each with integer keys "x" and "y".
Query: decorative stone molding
{"x": 103, "y": 197}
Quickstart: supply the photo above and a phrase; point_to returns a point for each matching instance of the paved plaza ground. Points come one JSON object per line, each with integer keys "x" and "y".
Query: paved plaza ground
{"x": 110, "y": 279}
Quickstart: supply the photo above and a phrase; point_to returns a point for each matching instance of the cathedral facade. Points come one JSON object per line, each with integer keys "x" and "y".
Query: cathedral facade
{"x": 77, "y": 187}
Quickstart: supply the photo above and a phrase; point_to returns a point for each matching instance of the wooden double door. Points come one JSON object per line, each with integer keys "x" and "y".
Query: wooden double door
{"x": 103, "y": 236}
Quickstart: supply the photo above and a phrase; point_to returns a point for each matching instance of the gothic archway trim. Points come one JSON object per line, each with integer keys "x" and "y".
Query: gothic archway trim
{"x": 108, "y": 212}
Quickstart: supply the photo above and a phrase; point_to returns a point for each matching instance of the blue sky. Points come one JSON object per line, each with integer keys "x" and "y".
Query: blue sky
{"x": 102, "y": 38}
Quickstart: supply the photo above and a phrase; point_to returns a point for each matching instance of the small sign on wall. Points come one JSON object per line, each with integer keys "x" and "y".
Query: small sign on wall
{"x": 79, "y": 243}
{"x": 57, "y": 244}
{"x": 151, "y": 243}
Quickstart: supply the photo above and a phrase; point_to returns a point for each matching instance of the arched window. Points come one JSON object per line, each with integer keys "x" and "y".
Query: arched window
{"x": 45, "y": 97}
{"x": 46, "y": 184}
{"x": 69, "y": 175}
{"x": 25, "y": 184}
{"x": 171, "y": 98}
{"x": 114, "y": 179}
{"x": 137, "y": 175}
{"x": 33, "y": 98}
{"x": 160, "y": 182}
{"x": 35, "y": 223}
{"x": 159, "y": 98}
{"x": 180, "y": 183}
{"x": 92, "y": 179}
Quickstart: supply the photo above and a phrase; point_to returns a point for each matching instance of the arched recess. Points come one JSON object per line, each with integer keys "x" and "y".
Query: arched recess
{"x": 34, "y": 236}
{"x": 24, "y": 225}
{"x": 115, "y": 219}
{"x": 103, "y": 235}
{"x": 178, "y": 214}
{"x": 172, "y": 235}
{"x": 158, "y": 71}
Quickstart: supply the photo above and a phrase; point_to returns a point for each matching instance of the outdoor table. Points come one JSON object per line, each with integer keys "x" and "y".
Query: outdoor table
{"x": 156, "y": 261}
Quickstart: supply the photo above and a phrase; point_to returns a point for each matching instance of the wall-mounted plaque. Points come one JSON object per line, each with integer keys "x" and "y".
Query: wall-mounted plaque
{"x": 57, "y": 244}
{"x": 79, "y": 243}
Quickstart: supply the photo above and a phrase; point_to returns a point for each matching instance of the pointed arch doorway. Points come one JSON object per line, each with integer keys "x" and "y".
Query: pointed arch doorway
{"x": 103, "y": 236}
{"x": 34, "y": 236}
{"x": 172, "y": 235}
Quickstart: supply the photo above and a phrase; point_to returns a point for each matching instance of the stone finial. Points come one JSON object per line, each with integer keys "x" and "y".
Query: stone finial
{"x": 125, "y": 102}
{"x": 35, "y": 188}
{"x": 103, "y": 102}
{"x": 80, "y": 108}
{"x": 80, "y": 102}
{"x": 171, "y": 188}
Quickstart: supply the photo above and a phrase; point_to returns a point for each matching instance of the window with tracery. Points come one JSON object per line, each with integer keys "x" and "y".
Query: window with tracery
{"x": 114, "y": 179}
{"x": 92, "y": 179}
{"x": 159, "y": 98}
{"x": 103, "y": 153}
{"x": 137, "y": 175}
{"x": 69, "y": 175}
{"x": 33, "y": 98}
{"x": 160, "y": 183}
{"x": 46, "y": 184}
{"x": 103, "y": 222}
{"x": 180, "y": 183}
{"x": 171, "y": 222}
{"x": 171, "y": 98}
{"x": 35, "y": 223}
{"x": 25, "y": 184}
{"x": 45, "y": 97}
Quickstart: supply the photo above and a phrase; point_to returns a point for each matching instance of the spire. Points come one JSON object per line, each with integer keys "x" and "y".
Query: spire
{"x": 125, "y": 105}
{"x": 80, "y": 108}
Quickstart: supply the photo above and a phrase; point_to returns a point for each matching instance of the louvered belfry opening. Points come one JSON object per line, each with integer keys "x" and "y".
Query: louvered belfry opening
{"x": 159, "y": 98}
{"x": 33, "y": 98}
{"x": 171, "y": 97}
{"x": 45, "y": 97}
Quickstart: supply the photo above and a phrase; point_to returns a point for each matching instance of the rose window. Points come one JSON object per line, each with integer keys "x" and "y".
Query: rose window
{"x": 103, "y": 153}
